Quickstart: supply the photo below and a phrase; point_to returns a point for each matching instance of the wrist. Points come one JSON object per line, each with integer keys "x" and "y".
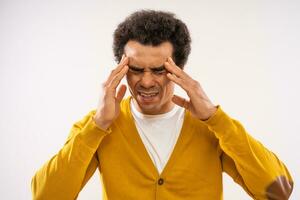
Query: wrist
{"x": 102, "y": 124}
{"x": 210, "y": 112}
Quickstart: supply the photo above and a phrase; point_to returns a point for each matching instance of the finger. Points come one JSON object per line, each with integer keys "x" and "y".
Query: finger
{"x": 176, "y": 70}
{"x": 119, "y": 67}
{"x": 178, "y": 81}
{"x": 172, "y": 67}
{"x": 117, "y": 78}
{"x": 181, "y": 101}
{"x": 121, "y": 92}
{"x": 122, "y": 63}
{"x": 171, "y": 61}
{"x": 122, "y": 57}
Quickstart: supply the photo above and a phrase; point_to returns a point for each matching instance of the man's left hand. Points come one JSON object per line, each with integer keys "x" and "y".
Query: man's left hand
{"x": 198, "y": 104}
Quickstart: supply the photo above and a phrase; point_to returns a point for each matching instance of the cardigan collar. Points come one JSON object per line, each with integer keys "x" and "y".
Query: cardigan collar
{"x": 134, "y": 140}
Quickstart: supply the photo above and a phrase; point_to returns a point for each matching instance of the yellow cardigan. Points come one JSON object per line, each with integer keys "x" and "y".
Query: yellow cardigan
{"x": 194, "y": 171}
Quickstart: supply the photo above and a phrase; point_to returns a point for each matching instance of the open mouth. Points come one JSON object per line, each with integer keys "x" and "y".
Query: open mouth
{"x": 147, "y": 96}
{"x": 144, "y": 94}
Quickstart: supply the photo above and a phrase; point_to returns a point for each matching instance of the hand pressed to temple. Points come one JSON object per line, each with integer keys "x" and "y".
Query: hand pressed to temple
{"x": 109, "y": 108}
{"x": 198, "y": 104}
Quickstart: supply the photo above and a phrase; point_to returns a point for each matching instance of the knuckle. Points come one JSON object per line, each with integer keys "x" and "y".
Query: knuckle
{"x": 105, "y": 91}
{"x": 117, "y": 77}
{"x": 113, "y": 80}
{"x": 107, "y": 94}
{"x": 104, "y": 84}
{"x": 108, "y": 86}
{"x": 195, "y": 84}
{"x": 192, "y": 85}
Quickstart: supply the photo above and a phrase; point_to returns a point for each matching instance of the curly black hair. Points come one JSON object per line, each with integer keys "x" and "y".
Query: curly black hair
{"x": 150, "y": 27}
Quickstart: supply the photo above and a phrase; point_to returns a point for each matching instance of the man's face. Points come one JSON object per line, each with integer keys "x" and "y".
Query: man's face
{"x": 152, "y": 91}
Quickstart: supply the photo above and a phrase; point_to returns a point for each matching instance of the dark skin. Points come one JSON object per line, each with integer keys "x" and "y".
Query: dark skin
{"x": 109, "y": 103}
{"x": 198, "y": 104}
{"x": 155, "y": 70}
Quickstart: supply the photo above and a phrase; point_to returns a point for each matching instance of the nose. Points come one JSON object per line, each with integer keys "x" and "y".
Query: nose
{"x": 147, "y": 80}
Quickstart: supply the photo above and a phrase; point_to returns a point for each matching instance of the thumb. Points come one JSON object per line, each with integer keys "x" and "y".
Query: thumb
{"x": 180, "y": 101}
{"x": 121, "y": 92}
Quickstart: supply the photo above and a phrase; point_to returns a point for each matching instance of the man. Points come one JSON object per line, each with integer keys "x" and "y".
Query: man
{"x": 154, "y": 144}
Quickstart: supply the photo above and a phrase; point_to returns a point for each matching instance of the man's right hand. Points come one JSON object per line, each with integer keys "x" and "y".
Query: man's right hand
{"x": 109, "y": 102}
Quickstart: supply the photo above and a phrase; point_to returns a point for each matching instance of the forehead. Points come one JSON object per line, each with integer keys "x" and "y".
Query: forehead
{"x": 147, "y": 55}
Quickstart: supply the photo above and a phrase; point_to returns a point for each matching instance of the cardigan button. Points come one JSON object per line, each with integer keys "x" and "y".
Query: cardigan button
{"x": 160, "y": 181}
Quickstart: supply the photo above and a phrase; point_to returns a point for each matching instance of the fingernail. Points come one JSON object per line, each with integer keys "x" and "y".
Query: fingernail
{"x": 123, "y": 57}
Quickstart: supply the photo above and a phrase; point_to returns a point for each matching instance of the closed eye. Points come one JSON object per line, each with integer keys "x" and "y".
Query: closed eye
{"x": 159, "y": 70}
{"x": 136, "y": 70}
{"x": 156, "y": 70}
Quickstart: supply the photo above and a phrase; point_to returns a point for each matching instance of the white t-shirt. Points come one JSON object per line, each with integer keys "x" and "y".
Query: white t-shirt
{"x": 159, "y": 133}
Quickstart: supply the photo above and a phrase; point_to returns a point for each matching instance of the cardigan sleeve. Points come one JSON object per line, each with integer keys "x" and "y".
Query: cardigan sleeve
{"x": 65, "y": 174}
{"x": 247, "y": 161}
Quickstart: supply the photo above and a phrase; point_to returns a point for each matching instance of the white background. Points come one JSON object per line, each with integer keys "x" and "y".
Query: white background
{"x": 55, "y": 54}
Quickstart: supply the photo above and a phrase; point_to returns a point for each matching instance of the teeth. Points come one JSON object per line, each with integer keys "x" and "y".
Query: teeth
{"x": 148, "y": 95}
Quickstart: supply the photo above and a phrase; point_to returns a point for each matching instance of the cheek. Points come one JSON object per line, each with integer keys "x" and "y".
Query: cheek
{"x": 171, "y": 88}
{"x": 131, "y": 82}
{"x": 129, "y": 79}
{"x": 164, "y": 81}
{"x": 168, "y": 86}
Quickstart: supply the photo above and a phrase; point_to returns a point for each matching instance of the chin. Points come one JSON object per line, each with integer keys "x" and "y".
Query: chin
{"x": 150, "y": 111}
{"x": 148, "y": 107}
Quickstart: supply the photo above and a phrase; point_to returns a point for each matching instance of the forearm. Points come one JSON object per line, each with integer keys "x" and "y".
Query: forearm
{"x": 258, "y": 167}
{"x": 63, "y": 175}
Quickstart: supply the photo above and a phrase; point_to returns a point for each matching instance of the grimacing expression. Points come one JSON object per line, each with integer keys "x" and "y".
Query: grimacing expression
{"x": 149, "y": 86}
